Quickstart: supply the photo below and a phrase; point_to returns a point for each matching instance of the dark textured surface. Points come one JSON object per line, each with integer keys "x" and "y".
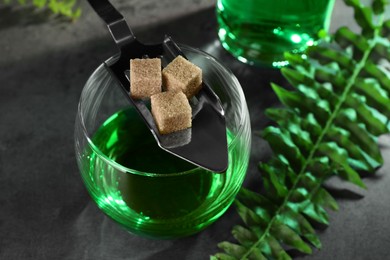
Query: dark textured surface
{"x": 46, "y": 213}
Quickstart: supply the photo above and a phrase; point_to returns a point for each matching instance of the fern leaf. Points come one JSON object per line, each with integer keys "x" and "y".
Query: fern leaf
{"x": 66, "y": 8}
{"x": 329, "y": 126}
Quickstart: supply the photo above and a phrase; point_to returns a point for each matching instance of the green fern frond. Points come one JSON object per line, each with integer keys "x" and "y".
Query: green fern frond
{"x": 329, "y": 126}
{"x": 67, "y": 8}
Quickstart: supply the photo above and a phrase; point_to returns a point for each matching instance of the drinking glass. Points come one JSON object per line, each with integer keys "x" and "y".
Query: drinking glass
{"x": 144, "y": 189}
{"x": 260, "y": 31}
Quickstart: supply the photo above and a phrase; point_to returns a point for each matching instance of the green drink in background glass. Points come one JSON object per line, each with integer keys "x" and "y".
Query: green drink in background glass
{"x": 260, "y": 31}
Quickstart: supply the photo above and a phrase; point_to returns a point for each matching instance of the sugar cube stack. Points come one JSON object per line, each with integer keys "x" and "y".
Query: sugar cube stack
{"x": 145, "y": 77}
{"x": 181, "y": 80}
{"x": 171, "y": 111}
{"x": 182, "y": 75}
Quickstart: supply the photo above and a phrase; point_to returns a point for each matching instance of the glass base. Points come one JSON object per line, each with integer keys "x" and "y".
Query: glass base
{"x": 251, "y": 56}
{"x": 260, "y": 32}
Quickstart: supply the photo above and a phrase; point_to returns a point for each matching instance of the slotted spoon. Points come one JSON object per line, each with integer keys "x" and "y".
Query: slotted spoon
{"x": 205, "y": 143}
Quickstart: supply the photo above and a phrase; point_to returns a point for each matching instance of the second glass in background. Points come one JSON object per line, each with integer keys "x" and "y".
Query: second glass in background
{"x": 260, "y": 31}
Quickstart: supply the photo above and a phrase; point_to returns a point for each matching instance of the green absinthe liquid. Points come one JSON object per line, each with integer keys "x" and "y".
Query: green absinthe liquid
{"x": 134, "y": 200}
{"x": 260, "y": 31}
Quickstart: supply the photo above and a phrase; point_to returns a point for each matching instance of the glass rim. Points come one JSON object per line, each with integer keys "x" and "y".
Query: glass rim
{"x": 128, "y": 170}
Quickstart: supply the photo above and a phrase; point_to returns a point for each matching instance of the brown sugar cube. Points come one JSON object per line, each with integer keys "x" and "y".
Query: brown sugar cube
{"x": 145, "y": 77}
{"x": 182, "y": 75}
{"x": 171, "y": 111}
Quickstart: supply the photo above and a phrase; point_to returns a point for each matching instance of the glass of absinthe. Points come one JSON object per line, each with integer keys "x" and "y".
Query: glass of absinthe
{"x": 146, "y": 190}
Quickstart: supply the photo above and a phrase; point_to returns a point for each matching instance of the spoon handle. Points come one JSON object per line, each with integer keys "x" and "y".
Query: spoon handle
{"x": 116, "y": 23}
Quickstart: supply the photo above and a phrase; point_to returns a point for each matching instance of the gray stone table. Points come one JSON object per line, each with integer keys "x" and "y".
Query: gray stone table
{"x": 46, "y": 213}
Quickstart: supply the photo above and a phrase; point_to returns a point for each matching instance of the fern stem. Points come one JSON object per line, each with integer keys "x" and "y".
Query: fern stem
{"x": 313, "y": 151}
